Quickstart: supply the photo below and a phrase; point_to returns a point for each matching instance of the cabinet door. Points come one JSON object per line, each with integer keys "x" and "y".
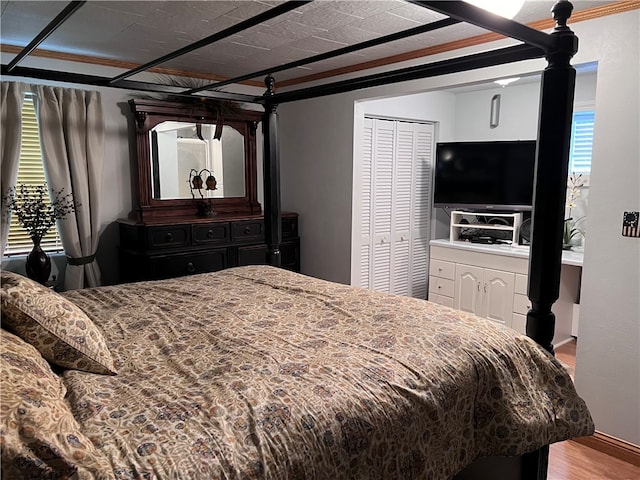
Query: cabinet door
{"x": 498, "y": 289}
{"x": 468, "y": 289}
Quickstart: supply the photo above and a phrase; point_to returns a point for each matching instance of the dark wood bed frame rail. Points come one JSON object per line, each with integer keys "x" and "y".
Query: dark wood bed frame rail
{"x": 552, "y": 153}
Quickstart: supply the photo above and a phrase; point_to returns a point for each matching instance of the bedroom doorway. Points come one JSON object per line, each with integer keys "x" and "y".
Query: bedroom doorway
{"x": 394, "y": 184}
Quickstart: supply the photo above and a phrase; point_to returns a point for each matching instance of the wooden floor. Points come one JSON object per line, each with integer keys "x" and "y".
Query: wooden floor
{"x": 572, "y": 461}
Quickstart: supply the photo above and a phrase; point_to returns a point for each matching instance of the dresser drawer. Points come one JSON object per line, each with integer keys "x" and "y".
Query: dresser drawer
{"x": 254, "y": 255}
{"x": 441, "y": 286}
{"x": 290, "y": 255}
{"x": 442, "y": 269}
{"x": 168, "y": 237}
{"x": 289, "y": 227}
{"x": 252, "y": 231}
{"x": 211, "y": 233}
{"x": 521, "y": 304}
{"x": 177, "y": 265}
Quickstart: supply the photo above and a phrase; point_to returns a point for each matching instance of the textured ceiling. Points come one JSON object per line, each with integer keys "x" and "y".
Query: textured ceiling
{"x": 141, "y": 31}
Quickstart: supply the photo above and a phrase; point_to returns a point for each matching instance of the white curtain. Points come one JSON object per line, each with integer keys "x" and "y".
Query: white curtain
{"x": 72, "y": 139}
{"x": 10, "y": 140}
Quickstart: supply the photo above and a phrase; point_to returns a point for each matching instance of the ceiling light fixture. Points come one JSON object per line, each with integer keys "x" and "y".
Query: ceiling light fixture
{"x": 503, "y": 82}
{"x": 504, "y": 8}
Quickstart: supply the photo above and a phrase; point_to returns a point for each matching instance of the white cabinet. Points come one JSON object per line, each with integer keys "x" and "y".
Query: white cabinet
{"x": 490, "y": 281}
{"x": 521, "y": 304}
{"x": 441, "y": 282}
{"x": 484, "y": 292}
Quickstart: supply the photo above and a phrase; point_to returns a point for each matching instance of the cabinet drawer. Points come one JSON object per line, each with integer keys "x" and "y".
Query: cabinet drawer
{"x": 521, "y": 304}
{"x": 441, "y": 299}
{"x": 519, "y": 323}
{"x": 290, "y": 253}
{"x": 289, "y": 227}
{"x": 168, "y": 237}
{"x": 439, "y": 268}
{"x": 247, "y": 231}
{"x": 211, "y": 233}
{"x": 252, "y": 255}
{"x": 167, "y": 266}
{"x": 521, "y": 284}
{"x": 441, "y": 286}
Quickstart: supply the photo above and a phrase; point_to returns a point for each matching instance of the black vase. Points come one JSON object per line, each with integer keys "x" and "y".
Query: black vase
{"x": 38, "y": 264}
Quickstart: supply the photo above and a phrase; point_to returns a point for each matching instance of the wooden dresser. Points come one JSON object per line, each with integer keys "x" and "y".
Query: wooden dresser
{"x": 165, "y": 249}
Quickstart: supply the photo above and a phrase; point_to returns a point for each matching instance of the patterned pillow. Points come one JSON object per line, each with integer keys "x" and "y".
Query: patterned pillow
{"x": 39, "y": 437}
{"x": 61, "y": 332}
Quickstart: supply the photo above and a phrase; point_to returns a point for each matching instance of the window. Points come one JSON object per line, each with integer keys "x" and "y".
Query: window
{"x": 581, "y": 142}
{"x": 30, "y": 172}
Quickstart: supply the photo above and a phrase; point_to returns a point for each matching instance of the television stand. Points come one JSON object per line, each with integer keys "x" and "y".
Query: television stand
{"x": 485, "y": 227}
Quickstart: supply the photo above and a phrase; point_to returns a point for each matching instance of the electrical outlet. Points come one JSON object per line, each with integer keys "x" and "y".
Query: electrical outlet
{"x": 630, "y": 224}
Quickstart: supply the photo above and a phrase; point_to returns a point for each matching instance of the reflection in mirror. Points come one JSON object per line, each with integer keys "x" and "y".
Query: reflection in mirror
{"x": 179, "y": 147}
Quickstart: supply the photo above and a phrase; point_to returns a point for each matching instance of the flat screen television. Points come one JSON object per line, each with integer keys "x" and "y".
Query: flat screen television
{"x": 477, "y": 176}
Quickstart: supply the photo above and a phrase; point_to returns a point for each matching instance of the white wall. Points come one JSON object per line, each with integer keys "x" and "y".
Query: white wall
{"x": 608, "y": 356}
{"x": 317, "y": 151}
{"x": 518, "y": 114}
{"x": 518, "y": 109}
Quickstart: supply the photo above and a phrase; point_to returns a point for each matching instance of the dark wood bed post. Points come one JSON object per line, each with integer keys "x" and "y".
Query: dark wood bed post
{"x": 552, "y": 165}
{"x": 273, "y": 227}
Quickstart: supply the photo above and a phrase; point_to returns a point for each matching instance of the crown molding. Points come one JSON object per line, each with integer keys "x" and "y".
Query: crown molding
{"x": 589, "y": 14}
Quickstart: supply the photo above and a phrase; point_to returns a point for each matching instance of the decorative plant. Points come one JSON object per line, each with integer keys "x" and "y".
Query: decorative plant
{"x": 571, "y": 225}
{"x": 35, "y": 213}
{"x": 570, "y": 232}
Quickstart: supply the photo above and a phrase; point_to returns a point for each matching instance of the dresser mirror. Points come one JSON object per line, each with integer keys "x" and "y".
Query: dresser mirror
{"x": 176, "y": 142}
{"x": 180, "y": 148}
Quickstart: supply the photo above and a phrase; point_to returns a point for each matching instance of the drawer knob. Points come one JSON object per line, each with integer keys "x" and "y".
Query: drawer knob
{"x": 439, "y": 286}
{"x": 210, "y": 233}
{"x": 190, "y": 267}
{"x": 247, "y": 229}
{"x": 439, "y": 269}
{"x": 168, "y": 237}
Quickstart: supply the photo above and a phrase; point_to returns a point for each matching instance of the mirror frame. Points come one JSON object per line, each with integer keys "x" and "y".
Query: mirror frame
{"x": 147, "y": 114}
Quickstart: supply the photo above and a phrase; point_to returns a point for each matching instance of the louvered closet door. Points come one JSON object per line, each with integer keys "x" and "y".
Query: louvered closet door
{"x": 365, "y": 218}
{"x": 382, "y": 197}
{"x": 395, "y": 217}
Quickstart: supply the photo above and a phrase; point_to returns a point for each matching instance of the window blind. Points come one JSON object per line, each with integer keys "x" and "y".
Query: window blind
{"x": 30, "y": 172}
{"x": 581, "y": 142}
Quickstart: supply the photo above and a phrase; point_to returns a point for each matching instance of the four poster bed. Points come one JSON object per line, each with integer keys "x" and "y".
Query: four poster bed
{"x": 259, "y": 372}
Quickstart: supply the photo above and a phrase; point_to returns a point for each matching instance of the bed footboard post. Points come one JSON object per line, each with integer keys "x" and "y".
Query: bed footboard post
{"x": 273, "y": 227}
{"x": 534, "y": 465}
{"x": 552, "y": 165}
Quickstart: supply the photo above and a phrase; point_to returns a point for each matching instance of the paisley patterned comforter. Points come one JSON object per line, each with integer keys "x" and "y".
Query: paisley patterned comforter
{"x": 257, "y": 372}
